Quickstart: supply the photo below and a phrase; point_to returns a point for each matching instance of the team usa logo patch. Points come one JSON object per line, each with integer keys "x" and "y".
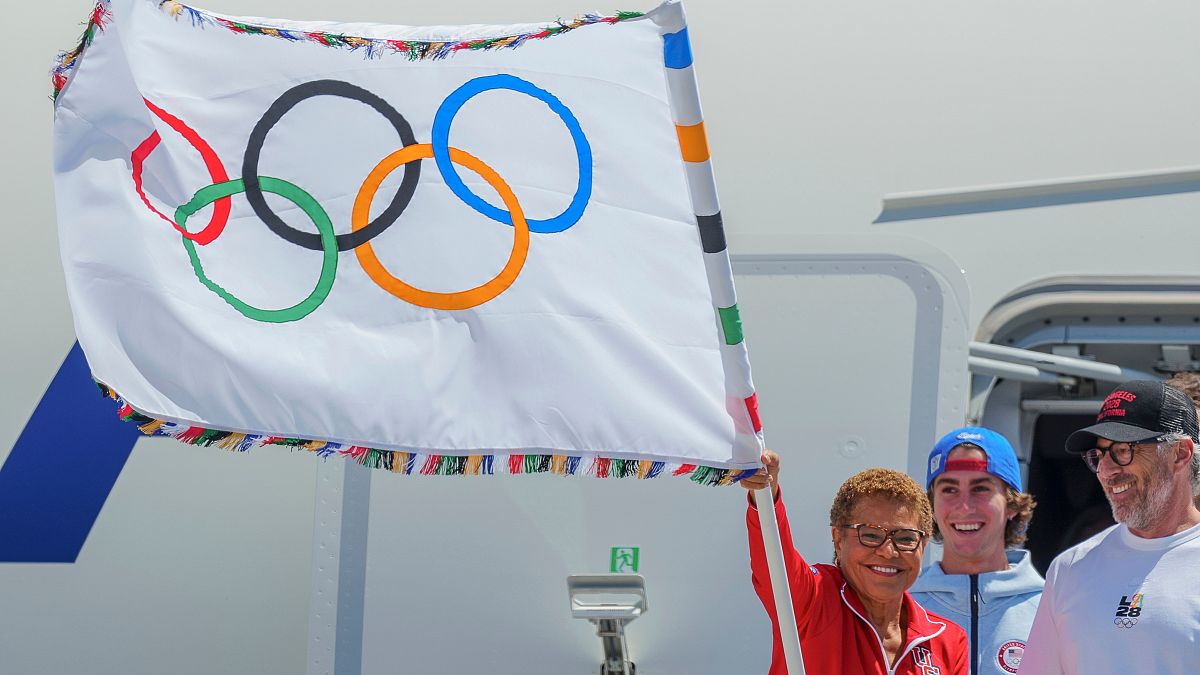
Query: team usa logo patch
{"x": 924, "y": 660}
{"x": 1009, "y": 656}
{"x": 1128, "y": 611}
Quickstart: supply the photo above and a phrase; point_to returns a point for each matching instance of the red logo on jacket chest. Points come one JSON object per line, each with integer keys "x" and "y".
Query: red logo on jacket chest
{"x": 924, "y": 660}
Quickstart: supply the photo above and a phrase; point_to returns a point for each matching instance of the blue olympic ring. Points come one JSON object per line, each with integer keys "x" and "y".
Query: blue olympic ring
{"x": 441, "y": 151}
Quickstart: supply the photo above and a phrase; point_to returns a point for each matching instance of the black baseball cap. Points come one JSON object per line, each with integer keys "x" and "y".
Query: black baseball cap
{"x": 1137, "y": 411}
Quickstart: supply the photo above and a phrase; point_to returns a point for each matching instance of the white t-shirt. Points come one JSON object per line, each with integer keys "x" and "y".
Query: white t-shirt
{"x": 1118, "y": 603}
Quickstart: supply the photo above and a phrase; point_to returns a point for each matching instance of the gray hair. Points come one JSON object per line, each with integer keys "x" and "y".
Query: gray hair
{"x": 1171, "y": 439}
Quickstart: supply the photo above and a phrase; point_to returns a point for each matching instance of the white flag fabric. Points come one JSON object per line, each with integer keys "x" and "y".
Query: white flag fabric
{"x": 440, "y": 250}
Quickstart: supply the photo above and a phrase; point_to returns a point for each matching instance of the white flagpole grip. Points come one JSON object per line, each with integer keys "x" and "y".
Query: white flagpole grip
{"x": 785, "y": 611}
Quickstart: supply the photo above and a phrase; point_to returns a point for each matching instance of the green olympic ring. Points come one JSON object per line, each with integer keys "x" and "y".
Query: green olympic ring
{"x": 329, "y": 248}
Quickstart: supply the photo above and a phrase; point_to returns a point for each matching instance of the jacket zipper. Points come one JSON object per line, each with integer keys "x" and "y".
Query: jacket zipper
{"x": 974, "y": 624}
{"x": 891, "y": 669}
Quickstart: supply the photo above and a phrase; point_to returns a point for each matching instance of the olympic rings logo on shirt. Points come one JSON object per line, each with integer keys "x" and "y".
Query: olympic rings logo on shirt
{"x": 1124, "y": 622}
{"x": 362, "y": 228}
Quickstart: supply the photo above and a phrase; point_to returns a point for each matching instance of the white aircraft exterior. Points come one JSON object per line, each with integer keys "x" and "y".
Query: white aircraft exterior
{"x": 899, "y": 182}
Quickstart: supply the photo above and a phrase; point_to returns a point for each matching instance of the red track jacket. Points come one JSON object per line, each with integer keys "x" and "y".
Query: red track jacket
{"x": 834, "y": 634}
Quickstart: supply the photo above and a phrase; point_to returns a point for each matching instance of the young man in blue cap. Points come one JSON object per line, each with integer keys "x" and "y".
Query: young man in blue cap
{"x": 1128, "y": 599}
{"x": 984, "y": 582}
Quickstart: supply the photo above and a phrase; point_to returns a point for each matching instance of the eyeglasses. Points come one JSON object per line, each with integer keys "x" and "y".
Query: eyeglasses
{"x": 873, "y": 536}
{"x": 1121, "y": 454}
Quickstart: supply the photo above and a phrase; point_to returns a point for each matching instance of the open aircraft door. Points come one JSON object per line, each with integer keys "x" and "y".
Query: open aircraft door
{"x": 1061, "y": 344}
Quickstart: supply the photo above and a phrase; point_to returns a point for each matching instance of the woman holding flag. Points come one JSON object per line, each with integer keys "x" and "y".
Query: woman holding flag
{"x": 856, "y": 615}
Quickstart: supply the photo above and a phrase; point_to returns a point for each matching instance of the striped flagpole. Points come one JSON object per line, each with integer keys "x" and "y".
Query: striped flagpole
{"x": 693, "y": 144}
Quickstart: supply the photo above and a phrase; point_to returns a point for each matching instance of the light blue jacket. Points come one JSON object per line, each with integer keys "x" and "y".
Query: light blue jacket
{"x": 1004, "y": 607}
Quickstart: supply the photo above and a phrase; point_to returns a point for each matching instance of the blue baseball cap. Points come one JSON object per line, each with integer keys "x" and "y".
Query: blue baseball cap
{"x": 1001, "y": 460}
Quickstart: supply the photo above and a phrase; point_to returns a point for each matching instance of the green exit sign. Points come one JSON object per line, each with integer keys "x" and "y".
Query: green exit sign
{"x": 623, "y": 559}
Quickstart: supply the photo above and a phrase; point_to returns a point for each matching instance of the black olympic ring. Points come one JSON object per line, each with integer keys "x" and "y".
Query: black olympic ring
{"x": 1122, "y": 622}
{"x": 288, "y": 100}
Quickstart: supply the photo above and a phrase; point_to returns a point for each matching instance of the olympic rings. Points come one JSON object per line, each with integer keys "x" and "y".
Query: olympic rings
{"x": 363, "y": 230}
{"x": 220, "y": 214}
{"x": 288, "y": 100}
{"x": 311, "y": 208}
{"x": 1121, "y": 622}
{"x": 444, "y": 117}
{"x": 461, "y": 299}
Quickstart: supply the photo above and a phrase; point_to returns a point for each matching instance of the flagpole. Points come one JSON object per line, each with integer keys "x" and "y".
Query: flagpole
{"x": 785, "y": 610}
{"x": 702, "y": 186}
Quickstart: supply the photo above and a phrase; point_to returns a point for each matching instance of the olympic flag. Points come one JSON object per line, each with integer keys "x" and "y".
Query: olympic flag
{"x": 444, "y": 250}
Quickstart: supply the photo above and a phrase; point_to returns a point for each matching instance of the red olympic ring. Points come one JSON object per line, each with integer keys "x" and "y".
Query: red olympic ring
{"x": 220, "y": 214}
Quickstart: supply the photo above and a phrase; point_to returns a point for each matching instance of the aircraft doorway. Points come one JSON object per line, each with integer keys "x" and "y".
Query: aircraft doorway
{"x": 1042, "y": 361}
{"x": 1070, "y": 504}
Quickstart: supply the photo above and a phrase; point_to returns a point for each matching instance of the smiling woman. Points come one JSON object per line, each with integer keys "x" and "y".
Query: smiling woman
{"x": 856, "y": 616}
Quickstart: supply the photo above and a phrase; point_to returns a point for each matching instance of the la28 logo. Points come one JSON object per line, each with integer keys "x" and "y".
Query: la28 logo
{"x": 1128, "y": 611}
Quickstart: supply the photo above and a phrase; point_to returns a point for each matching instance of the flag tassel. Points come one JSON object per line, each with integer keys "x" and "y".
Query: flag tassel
{"x": 430, "y": 464}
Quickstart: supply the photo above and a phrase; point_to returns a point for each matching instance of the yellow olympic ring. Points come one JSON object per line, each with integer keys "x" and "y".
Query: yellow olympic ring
{"x": 360, "y": 217}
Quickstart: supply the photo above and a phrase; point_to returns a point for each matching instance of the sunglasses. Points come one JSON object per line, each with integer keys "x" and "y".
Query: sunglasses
{"x": 873, "y": 536}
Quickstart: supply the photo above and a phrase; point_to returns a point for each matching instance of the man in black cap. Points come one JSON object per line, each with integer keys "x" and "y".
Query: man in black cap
{"x": 1128, "y": 599}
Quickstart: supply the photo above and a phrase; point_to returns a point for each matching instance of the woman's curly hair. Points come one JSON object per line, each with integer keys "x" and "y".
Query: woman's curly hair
{"x": 886, "y": 483}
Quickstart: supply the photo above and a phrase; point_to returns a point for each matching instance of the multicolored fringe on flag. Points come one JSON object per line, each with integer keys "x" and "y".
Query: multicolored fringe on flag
{"x": 414, "y": 463}
{"x": 414, "y": 50}
{"x": 67, "y": 61}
